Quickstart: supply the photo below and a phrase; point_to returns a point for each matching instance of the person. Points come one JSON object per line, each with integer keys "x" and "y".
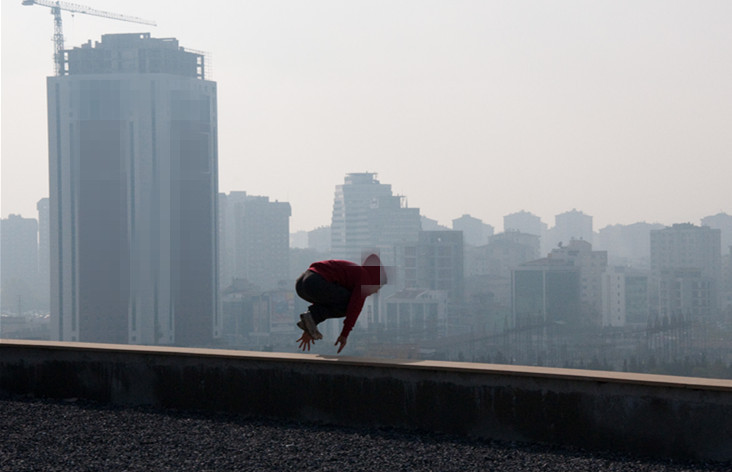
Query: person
{"x": 336, "y": 289}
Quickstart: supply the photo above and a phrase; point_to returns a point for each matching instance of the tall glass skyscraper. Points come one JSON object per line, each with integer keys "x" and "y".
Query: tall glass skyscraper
{"x": 133, "y": 185}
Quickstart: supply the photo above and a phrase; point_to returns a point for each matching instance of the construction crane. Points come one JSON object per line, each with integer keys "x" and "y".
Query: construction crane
{"x": 58, "y": 36}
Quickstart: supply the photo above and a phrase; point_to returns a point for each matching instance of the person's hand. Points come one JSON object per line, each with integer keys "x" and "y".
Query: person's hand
{"x": 342, "y": 341}
{"x": 305, "y": 341}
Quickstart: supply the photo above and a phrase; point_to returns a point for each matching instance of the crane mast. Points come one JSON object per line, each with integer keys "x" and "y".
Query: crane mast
{"x": 58, "y": 36}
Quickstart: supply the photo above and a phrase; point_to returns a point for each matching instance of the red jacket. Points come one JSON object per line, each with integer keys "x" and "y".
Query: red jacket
{"x": 362, "y": 281}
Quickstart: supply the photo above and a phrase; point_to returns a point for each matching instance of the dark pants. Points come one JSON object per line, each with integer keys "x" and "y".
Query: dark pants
{"x": 328, "y": 300}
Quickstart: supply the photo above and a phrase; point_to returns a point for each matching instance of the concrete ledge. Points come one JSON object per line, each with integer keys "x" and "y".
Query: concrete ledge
{"x": 661, "y": 416}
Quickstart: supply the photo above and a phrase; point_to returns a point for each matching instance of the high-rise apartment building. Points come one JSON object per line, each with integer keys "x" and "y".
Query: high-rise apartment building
{"x": 686, "y": 267}
{"x": 524, "y": 222}
{"x": 528, "y": 223}
{"x": 434, "y": 262}
{"x": 503, "y": 253}
{"x": 254, "y": 240}
{"x": 475, "y": 232}
{"x": 568, "y": 226}
{"x": 133, "y": 185}
{"x": 627, "y": 245}
{"x": 367, "y": 217}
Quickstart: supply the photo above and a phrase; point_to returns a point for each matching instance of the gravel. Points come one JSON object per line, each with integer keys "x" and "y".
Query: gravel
{"x": 43, "y": 435}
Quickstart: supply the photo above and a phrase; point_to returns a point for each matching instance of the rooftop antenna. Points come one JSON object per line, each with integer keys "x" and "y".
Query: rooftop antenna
{"x": 58, "y": 36}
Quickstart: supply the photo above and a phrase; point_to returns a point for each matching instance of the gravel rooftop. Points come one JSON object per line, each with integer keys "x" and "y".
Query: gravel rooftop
{"x": 43, "y": 435}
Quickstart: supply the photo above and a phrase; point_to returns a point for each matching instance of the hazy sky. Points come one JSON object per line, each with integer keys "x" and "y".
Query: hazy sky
{"x": 620, "y": 109}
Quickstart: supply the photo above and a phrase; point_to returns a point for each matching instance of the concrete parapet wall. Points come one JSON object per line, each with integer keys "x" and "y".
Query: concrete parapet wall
{"x": 653, "y": 415}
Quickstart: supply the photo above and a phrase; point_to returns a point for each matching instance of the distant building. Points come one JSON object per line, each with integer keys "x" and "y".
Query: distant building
{"x": 686, "y": 266}
{"x": 528, "y": 223}
{"x": 367, "y": 217}
{"x": 254, "y": 240}
{"x": 624, "y": 298}
{"x": 627, "y": 245}
{"x": 571, "y": 225}
{"x": 591, "y": 265}
{"x": 726, "y": 290}
{"x": 299, "y": 240}
{"x": 475, "y": 232}
{"x": 429, "y": 224}
{"x": 392, "y": 223}
{"x": 415, "y": 314}
{"x": 133, "y": 173}
{"x": 435, "y": 262}
{"x": 44, "y": 251}
{"x": 685, "y": 294}
{"x": 319, "y": 239}
{"x": 503, "y": 253}
{"x": 18, "y": 263}
{"x": 546, "y": 292}
{"x": 722, "y": 222}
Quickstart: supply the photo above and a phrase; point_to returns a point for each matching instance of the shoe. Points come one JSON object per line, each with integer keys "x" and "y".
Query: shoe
{"x": 308, "y": 324}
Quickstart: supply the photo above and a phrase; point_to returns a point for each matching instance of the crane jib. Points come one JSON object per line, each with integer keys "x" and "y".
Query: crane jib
{"x": 58, "y": 38}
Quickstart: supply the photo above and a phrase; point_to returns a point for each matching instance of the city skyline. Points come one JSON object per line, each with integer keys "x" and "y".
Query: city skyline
{"x": 618, "y": 109}
{"x": 448, "y": 224}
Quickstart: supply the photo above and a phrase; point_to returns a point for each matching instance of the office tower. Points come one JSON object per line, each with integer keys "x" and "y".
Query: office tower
{"x": 367, "y": 217}
{"x": 254, "y": 240}
{"x": 133, "y": 180}
{"x": 686, "y": 266}
{"x": 475, "y": 232}
{"x": 18, "y": 263}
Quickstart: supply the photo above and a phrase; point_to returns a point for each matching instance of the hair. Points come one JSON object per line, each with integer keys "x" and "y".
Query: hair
{"x": 373, "y": 260}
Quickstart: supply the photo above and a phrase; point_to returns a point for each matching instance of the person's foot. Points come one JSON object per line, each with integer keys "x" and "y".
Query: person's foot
{"x": 307, "y": 324}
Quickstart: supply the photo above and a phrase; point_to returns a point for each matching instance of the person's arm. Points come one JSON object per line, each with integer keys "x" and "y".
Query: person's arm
{"x": 355, "y": 304}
